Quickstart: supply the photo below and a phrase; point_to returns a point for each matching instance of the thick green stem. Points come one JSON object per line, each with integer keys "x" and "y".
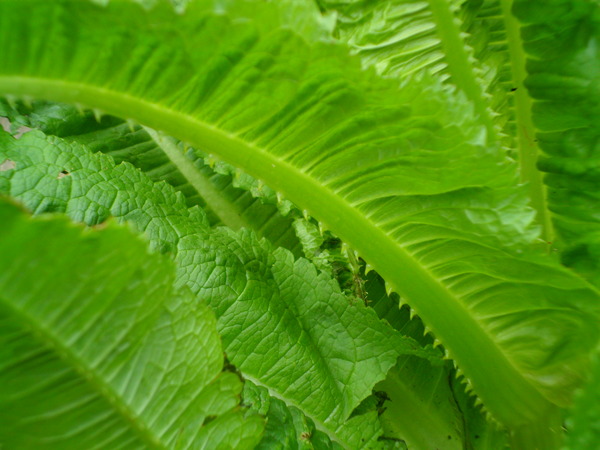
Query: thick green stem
{"x": 501, "y": 385}
{"x": 528, "y": 149}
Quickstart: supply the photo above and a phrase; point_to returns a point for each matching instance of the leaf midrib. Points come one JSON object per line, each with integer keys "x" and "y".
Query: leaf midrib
{"x": 527, "y": 146}
{"x": 496, "y": 377}
{"x": 218, "y": 203}
{"x": 417, "y": 417}
{"x": 46, "y": 338}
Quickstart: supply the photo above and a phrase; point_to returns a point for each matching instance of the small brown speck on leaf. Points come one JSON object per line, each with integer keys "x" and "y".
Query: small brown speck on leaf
{"x": 7, "y": 165}
{"x": 63, "y": 174}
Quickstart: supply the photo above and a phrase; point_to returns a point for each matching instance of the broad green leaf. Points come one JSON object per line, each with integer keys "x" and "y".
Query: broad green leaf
{"x": 285, "y": 326}
{"x": 286, "y": 428}
{"x": 426, "y": 405}
{"x": 474, "y": 45}
{"x": 106, "y": 354}
{"x": 583, "y": 427}
{"x": 401, "y": 37}
{"x": 163, "y": 158}
{"x": 420, "y": 408}
{"x": 368, "y": 159}
{"x": 563, "y": 69}
{"x": 107, "y": 134}
{"x": 333, "y": 350}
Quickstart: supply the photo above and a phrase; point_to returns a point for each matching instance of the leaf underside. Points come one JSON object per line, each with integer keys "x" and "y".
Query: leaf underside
{"x": 106, "y": 354}
{"x": 582, "y": 422}
{"x": 286, "y": 327}
{"x": 367, "y": 159}
{"x": 564, "y": 67}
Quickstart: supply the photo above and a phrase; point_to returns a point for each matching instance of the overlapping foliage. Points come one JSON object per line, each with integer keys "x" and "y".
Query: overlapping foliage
{"x": 395, "y": 136}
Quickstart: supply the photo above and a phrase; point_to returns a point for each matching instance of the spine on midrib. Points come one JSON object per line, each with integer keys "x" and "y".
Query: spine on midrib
{"x": 492, "y": 374}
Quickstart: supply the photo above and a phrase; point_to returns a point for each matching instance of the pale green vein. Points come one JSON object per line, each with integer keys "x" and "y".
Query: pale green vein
{"x": 492, "y": 373}
{"x": 417, "y": 420}
{"x": 460, "y": 63}
{"x": 527, "y": 145}
{"x": 87, "y": 372}
{"x": 215, "y": 200}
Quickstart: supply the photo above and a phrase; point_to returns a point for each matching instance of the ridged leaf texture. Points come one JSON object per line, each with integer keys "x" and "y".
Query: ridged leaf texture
{"x": 582, "y": 422}
{"x": 472, "y": 45}
{"x": 563, "y": 65}
{"x": 272, "y": 95}
{"x": 454, "y": 40}
{"x": 284, "y": 326}
{"x": 106, "y": 354}
{"x": 426, "y": 405}
{"x": 222, "y": 196}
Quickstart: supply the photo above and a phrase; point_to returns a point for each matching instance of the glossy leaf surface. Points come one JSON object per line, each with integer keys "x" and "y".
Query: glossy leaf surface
{"x": 286, "y": 327}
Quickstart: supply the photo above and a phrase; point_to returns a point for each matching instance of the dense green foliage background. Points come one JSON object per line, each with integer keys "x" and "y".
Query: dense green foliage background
{"x": 301, "y": 224}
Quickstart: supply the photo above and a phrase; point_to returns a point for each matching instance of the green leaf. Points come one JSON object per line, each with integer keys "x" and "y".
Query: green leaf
{"x": 420, "y": 408}
{"x": 473, "y": 45}
{"x": 286, "y": 427}
{"x": 479, "y": 432}
{"x": 368, "y": 160}
{"x": 163, "y": 158}
{"x": 561, "y": 42}
{"x": 106, "y": 354}
{"x": 486, "y": 28}
{"x": 426, "y": 405}
{"x": 582, "y": 422}
{"x": 333, "y": 351}
{"x": 401, "y": 38}
{"x": 228, "y": 200}
{"x": 286, "y": 327}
